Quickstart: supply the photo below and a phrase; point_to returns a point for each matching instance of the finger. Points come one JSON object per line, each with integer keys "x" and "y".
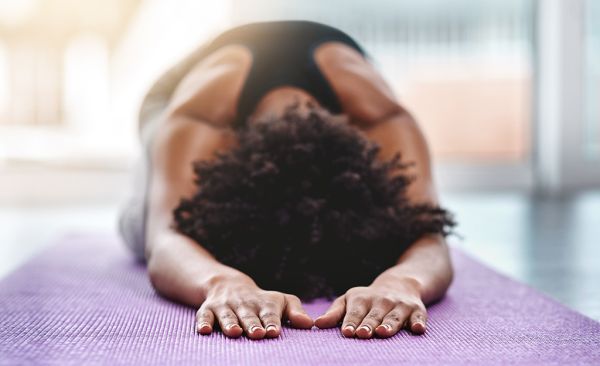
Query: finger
{"x": 418, "y": 321}
{"x": 372, "y": 320}
{"x": 250, "y": 322}
{"x": 296, "y": 314}
{"x": 270, "y": 317}
{"x": 204, "y": 320}
{"x": 393, "y": 321}
{"x": 333, "y": 315}
{"x": 228, "y": 321}
{"x": 356, "y": 309}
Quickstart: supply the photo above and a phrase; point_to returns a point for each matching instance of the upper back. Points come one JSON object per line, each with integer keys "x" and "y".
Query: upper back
{"x": 227, "y": 84}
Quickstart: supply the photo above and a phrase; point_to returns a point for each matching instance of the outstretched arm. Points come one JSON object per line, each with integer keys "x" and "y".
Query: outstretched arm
{"x": 427, "y": 260}
{"x": 397, "y": 297}
{"x": 181, "y": 269}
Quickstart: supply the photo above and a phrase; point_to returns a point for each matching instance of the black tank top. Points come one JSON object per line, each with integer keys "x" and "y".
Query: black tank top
{"x": 283, "y": 55}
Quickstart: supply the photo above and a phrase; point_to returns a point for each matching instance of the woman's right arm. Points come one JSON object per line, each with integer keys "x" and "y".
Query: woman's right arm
{"x": 181, "y": 269}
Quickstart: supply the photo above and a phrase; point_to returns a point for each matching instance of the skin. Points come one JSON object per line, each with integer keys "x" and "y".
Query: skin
{"x": 197, "y": 124}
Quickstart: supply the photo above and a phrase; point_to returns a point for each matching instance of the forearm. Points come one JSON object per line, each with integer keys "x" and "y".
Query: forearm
{"x": 183, "y": 271}
{"x": 426, "y": 264}
{"x": 179, "y": 268}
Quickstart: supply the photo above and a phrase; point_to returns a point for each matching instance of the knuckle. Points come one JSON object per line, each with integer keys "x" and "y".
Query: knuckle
{"x": 404, "y": 305}
{"x": 240, "y": 303}
{"x": 219, "y": 308}
{"x": 394, "y": 316}
{"x": 275, "y": 295}
{"x": 268, "y": 314}
{"x": 232, "y": 303}
{"x": 207, "y": 305}
{"x": 248, "y": 318}
{"x": 226, "y": 315}
{"x": 203, "y": 313}
{"x": 386, "y": 301}
{"x": 354, "y": 313}
{"x": 269, "y": 304}
{"x": 248, "y": 303}
{"x": 374, "y": 314}
{"x": 359, "y": 298}
{"x": 416, "y": 307}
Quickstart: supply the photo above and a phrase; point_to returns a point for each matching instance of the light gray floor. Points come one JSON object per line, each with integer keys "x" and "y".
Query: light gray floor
{"x": 550, "y": 244}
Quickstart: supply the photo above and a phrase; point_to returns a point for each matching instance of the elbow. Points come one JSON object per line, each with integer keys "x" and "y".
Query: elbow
{"x": 448, "y": 273}
{"x": 450, "y": 276}
{"x": 155, "y": 264}
{"x": 450, "y": 264}
{"x": 155, "y": 274}
{"x": 445, "y": 274}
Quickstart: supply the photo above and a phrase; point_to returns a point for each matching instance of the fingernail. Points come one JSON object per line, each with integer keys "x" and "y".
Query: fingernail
{"x": 254, "y": 328}
{"x": 386, "y": 326}
{"x": 349, "y": 328}
{"x": 230, "y": 326}
{"x": 271, "y": 328}
{"x": 203, "y": 326}
{"x": 366, "y": 327}
{"x": 418, "y": 326}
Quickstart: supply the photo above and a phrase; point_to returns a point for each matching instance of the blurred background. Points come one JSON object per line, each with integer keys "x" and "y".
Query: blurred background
{"x": 506, "y": 91}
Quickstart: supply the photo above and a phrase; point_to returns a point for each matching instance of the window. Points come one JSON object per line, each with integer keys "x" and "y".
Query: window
{"x": 85, "y": 84}
{"x": 4, "y": 84}
{"x": 592, "y": 81}
{"x": 567, "y": 96}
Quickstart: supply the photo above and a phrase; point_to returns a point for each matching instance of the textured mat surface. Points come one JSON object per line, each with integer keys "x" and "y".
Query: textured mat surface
{"x": 84, "y": 301}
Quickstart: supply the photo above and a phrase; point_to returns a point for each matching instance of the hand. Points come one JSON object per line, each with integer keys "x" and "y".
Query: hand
{"x": 383, "y": 308}
{"x": 240, "y": 306}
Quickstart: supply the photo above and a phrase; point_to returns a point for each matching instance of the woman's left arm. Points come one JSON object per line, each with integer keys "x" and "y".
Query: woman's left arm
{"x": 427, "y": 260}
{"x": 397, "y": 297}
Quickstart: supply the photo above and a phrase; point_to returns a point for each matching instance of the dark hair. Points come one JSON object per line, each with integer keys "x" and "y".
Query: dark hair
{"x": 301, "y": 205}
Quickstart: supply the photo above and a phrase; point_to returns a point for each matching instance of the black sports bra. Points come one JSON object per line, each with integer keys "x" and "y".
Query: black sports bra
{"x": 283, "y": 54}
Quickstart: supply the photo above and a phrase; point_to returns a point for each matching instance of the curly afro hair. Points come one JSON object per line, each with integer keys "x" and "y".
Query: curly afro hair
{"x": 302, "y": 206}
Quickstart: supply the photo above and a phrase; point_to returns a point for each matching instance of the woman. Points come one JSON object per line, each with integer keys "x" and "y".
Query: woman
{"x": 272, "y": 172}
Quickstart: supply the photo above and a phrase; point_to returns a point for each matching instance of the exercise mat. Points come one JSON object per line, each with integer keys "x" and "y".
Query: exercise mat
{"x": 85, "y": 301}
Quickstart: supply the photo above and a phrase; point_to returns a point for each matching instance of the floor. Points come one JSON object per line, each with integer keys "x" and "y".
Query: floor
{"x": 550, "y": 244}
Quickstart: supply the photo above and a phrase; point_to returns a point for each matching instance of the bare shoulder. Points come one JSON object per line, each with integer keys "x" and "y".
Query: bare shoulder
{"x": 180, "y": 132}
{"x": 362, "y": 91}
{"x": 210, "y": 90}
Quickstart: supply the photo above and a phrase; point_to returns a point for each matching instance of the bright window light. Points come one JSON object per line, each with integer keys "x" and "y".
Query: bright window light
{"x": 4, "y": 83}
{"x": 15, "y": 12}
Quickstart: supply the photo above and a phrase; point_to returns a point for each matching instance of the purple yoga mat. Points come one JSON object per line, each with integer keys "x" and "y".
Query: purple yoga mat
{"x": 84, "y": 301}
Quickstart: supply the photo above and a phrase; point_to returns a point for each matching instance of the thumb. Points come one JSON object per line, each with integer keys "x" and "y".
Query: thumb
{"x": 295, "y": 313}
{"x": 333, "y": 315}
